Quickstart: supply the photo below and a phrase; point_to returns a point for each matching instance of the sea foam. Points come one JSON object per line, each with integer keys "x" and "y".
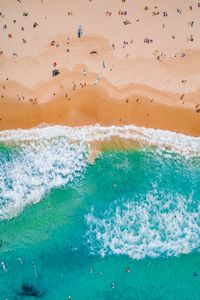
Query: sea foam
{"x": 51, "y": 156}
{"x": 157, "y": 225}
{"x": 33, "y": 168}
{"x": 180, "y": 143}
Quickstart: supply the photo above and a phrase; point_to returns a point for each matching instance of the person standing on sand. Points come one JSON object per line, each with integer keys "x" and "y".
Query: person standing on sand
{"x": 79, "y": 33}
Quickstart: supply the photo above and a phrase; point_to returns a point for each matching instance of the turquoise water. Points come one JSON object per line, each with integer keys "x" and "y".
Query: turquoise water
{"x": 127, "y": 228}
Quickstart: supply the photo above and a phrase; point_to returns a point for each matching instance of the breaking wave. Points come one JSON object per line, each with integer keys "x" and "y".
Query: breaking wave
{"x": 34, "y": 161}
{"x": 30, "y": 170}
{"x": 179, "y": 143}
{"x": 157, "y": 225}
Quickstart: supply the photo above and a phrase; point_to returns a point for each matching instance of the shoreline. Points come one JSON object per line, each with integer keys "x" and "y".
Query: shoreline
{"x": 101, "y": 138}
{"x": 93, "y": 105}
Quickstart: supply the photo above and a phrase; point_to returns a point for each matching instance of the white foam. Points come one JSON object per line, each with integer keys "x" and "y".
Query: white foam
{"x": 179, "y": 143}
{"x": 151, "y": 227}
{"x": 51, "y": 156}
{"x": 35, "y": 168}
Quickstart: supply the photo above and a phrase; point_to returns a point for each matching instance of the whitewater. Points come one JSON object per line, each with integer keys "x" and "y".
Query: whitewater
{"x": 40, "y": 159}
{"x": 137, "y": 207}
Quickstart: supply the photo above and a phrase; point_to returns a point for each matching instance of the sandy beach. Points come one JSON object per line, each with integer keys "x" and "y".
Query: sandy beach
{"x": 87, "y": 62}
{"x": 99, "y": 149}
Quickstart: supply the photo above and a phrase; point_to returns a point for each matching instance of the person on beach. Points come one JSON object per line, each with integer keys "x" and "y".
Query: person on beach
{"x": 35, "y": 25}
{"x": 79, "y": 32}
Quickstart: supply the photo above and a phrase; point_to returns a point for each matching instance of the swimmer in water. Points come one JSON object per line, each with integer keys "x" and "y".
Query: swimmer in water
{"x": 20, "y": 260}
{"x": 112, "y": 285}
{"x": 34, "y": 269}
{"x": 4, "y": 266}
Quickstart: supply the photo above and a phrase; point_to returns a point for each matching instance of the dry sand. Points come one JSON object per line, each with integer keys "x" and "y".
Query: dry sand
{"x": 127, "y": 81}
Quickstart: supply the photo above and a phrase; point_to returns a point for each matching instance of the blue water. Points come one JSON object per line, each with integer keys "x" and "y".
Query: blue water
{"x": 127, "y": 228}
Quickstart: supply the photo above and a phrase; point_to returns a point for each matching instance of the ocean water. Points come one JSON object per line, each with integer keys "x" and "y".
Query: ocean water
{"x": 126, "y": 227}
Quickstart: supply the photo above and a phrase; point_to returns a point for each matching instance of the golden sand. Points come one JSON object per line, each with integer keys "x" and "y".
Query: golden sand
{"x": 92, "y": 105}
{"x": 110, "y": 75}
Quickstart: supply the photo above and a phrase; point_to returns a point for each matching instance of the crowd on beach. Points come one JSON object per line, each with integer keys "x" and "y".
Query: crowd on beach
{"x": 155, "y": 11}
{"x": 125, "y": 17}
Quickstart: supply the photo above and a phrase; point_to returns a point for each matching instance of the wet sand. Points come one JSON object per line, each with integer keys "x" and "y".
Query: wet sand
{"x": 93, "y": 105}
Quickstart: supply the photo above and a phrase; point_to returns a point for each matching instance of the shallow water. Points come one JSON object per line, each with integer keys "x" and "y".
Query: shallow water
{"x": 131, "y": 209}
